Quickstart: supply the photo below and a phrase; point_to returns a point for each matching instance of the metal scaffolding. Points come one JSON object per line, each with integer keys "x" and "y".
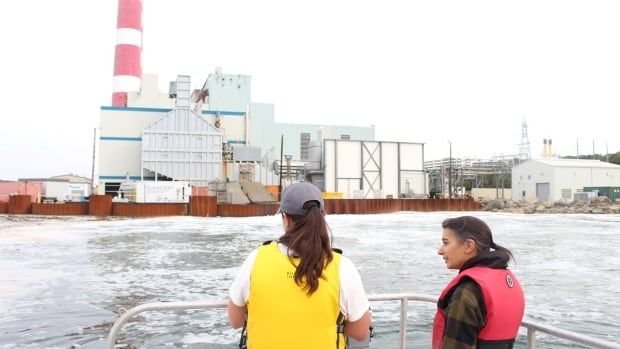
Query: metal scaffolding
{"x": 442, "y": 172}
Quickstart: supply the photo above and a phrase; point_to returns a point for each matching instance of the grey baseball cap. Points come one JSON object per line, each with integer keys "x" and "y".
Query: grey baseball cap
{"x": 295, "y": 196}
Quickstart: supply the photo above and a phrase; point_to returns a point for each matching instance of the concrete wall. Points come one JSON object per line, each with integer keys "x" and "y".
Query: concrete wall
{"x": 490, "y": 193}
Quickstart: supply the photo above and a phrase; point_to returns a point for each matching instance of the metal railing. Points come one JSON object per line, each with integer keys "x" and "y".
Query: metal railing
{"x": 404, "y": 298}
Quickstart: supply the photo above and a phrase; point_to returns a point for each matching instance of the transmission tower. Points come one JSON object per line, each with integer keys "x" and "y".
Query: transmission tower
{"x": 524, "y": 147}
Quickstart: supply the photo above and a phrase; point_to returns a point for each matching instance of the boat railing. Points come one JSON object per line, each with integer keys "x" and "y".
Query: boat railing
{"x": 404, "y": 298}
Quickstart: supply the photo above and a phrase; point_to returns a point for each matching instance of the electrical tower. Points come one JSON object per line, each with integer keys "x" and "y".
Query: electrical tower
{"x": 524, "y": 147}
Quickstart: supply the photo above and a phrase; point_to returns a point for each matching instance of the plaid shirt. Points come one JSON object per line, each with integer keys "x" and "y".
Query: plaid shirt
{"x": 465, "y": 317}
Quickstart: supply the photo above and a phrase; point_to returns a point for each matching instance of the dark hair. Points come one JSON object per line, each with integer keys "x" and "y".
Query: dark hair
{"x": 468, "y": 227}
{"x": 309, "y": 238}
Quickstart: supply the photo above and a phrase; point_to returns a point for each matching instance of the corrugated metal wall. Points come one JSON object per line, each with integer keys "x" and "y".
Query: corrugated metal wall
{"x": 203, "y": 206}
{"x": 374, "y": 206}
{"x": 100, "y": 205}
{"x": 206, "y": 206}
{"x": 65, "y": 209}
{"x": 20, "y": 204}
{"x": 249, "y": 210}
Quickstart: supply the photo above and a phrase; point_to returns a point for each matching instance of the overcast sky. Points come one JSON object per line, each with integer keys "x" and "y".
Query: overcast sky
{"x": 466, "y": 72}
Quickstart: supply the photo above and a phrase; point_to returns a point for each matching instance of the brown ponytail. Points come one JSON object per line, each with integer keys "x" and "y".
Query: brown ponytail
{"x": 308, "y": 238}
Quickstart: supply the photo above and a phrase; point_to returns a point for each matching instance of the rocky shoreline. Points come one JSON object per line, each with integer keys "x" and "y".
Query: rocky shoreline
{"x": 597, "y": 205}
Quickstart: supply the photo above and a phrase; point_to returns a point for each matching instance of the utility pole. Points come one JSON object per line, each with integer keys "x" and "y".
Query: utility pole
{"x": 607, "y": 151}
{"x": 577, "y": 148}
{"x": 280, "y": 172}
{"x": 450, "y": 173}
{"x": 92, "y": 173}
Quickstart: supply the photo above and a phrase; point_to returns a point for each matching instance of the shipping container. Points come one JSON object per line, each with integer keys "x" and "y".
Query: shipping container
{"x": 612, "y": 193}
{"x": 155, "y": 191}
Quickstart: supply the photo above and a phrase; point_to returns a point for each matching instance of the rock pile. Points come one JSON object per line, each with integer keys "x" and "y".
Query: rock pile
{"x": 597, "y": 205}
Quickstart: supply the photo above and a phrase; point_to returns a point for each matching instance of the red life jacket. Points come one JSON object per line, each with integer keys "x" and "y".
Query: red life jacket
{"x": 503, "y": 299}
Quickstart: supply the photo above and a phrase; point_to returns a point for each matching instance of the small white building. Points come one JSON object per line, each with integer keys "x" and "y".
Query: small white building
{"x": 555, "y": 179}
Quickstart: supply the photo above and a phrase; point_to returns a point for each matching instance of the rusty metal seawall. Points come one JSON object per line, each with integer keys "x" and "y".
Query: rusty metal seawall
{"x": 250, "y": 210}
{"x": 203, "y": 206}
{"x": 20, "y": 204}
{"x": 373, "y": 206}
{"x": 66, "y": 209}
{"x": 100, "y": 205}
{"x": 206, "y": 206}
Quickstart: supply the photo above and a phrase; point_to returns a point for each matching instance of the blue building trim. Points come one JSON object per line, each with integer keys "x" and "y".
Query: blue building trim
{"x": 136, "y": 178}
{"x": 165, "y": 110}
{"x": 236, "y": 142}
{"x": 222, "y": 112}
{"x": 133, "y": 139}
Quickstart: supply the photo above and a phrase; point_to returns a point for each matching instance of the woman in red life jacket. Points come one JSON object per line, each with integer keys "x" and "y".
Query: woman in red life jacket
{"x": 483, "y": 305}
{"x": 297, "y": 292}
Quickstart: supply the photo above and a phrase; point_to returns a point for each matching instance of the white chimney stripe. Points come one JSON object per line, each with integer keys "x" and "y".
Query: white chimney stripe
{"x": 128, "y": 36}
{"x": 126, "y": 83}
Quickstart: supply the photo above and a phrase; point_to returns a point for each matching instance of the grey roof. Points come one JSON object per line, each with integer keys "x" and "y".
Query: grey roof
{"x": 42, "y": 180}
{"x": 577, "y": 163}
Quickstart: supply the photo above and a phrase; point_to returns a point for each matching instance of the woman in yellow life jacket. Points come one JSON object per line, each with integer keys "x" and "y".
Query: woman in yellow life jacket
{"x": 296, "y": 292}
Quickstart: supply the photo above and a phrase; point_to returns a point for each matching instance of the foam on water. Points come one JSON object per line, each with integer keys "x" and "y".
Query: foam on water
{"x": 63, "y": 281}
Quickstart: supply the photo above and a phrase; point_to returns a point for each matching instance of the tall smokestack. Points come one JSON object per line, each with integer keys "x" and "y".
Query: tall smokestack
{"x": 544, "y": 148}
{"x": 127, "y": 62}
{"x": 550, "y": 155}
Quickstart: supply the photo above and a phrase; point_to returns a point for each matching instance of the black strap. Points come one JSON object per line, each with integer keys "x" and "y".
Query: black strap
{"x": 340, "y": 330}
{"x": 243, "y": 341}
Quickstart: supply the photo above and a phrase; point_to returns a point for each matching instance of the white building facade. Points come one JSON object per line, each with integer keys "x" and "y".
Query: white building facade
{"x": 555, "y": 179}
{"x": 371, "y": 169}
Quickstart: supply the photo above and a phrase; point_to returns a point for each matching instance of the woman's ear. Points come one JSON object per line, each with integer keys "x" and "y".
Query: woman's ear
{"x": 470, "y": 246}
{"x": 286, "y": 221}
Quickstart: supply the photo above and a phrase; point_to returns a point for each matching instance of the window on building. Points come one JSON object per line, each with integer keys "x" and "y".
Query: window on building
{"x": 345, "y": 137}
{"x": 112, "y": 188}
{"x": 567, "y": 194}
{"x": 304, "y": 144}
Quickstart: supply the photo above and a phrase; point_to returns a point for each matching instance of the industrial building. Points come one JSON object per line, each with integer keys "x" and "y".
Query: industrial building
{"x": 214, "y": 134}
{"x": 554, "y": 179}
{"x": 203, "y": 135}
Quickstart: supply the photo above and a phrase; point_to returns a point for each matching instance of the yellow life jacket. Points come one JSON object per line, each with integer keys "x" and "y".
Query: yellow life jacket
{"x": 281, "y": 315}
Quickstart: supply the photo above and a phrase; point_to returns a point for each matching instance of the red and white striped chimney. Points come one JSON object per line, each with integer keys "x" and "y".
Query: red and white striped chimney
{"x": 127, "y": 56}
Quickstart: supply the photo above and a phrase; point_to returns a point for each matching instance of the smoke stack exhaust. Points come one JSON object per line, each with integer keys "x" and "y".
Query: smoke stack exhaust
{"x": 550, "y": 149}
{"x": 128, "y": 52}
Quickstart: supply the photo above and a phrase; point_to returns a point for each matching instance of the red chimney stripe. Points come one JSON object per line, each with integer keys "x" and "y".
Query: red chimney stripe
{"x": 129, "y": 14}
{"x": 119, "y": 99}
{"x": 127, "y": 60}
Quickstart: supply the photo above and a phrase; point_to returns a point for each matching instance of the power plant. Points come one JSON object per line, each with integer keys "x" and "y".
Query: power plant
{"x": 215, "y": 138}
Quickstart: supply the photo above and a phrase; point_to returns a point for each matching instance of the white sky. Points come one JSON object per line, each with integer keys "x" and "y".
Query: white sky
{"x": 425, "y": 71}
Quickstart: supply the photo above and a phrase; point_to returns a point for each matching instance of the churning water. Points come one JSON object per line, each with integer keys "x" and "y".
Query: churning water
{"x": 63, "y": 280}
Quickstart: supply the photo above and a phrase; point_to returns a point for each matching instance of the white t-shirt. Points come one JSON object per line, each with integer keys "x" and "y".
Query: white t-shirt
{"x": 353, "y": 300}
